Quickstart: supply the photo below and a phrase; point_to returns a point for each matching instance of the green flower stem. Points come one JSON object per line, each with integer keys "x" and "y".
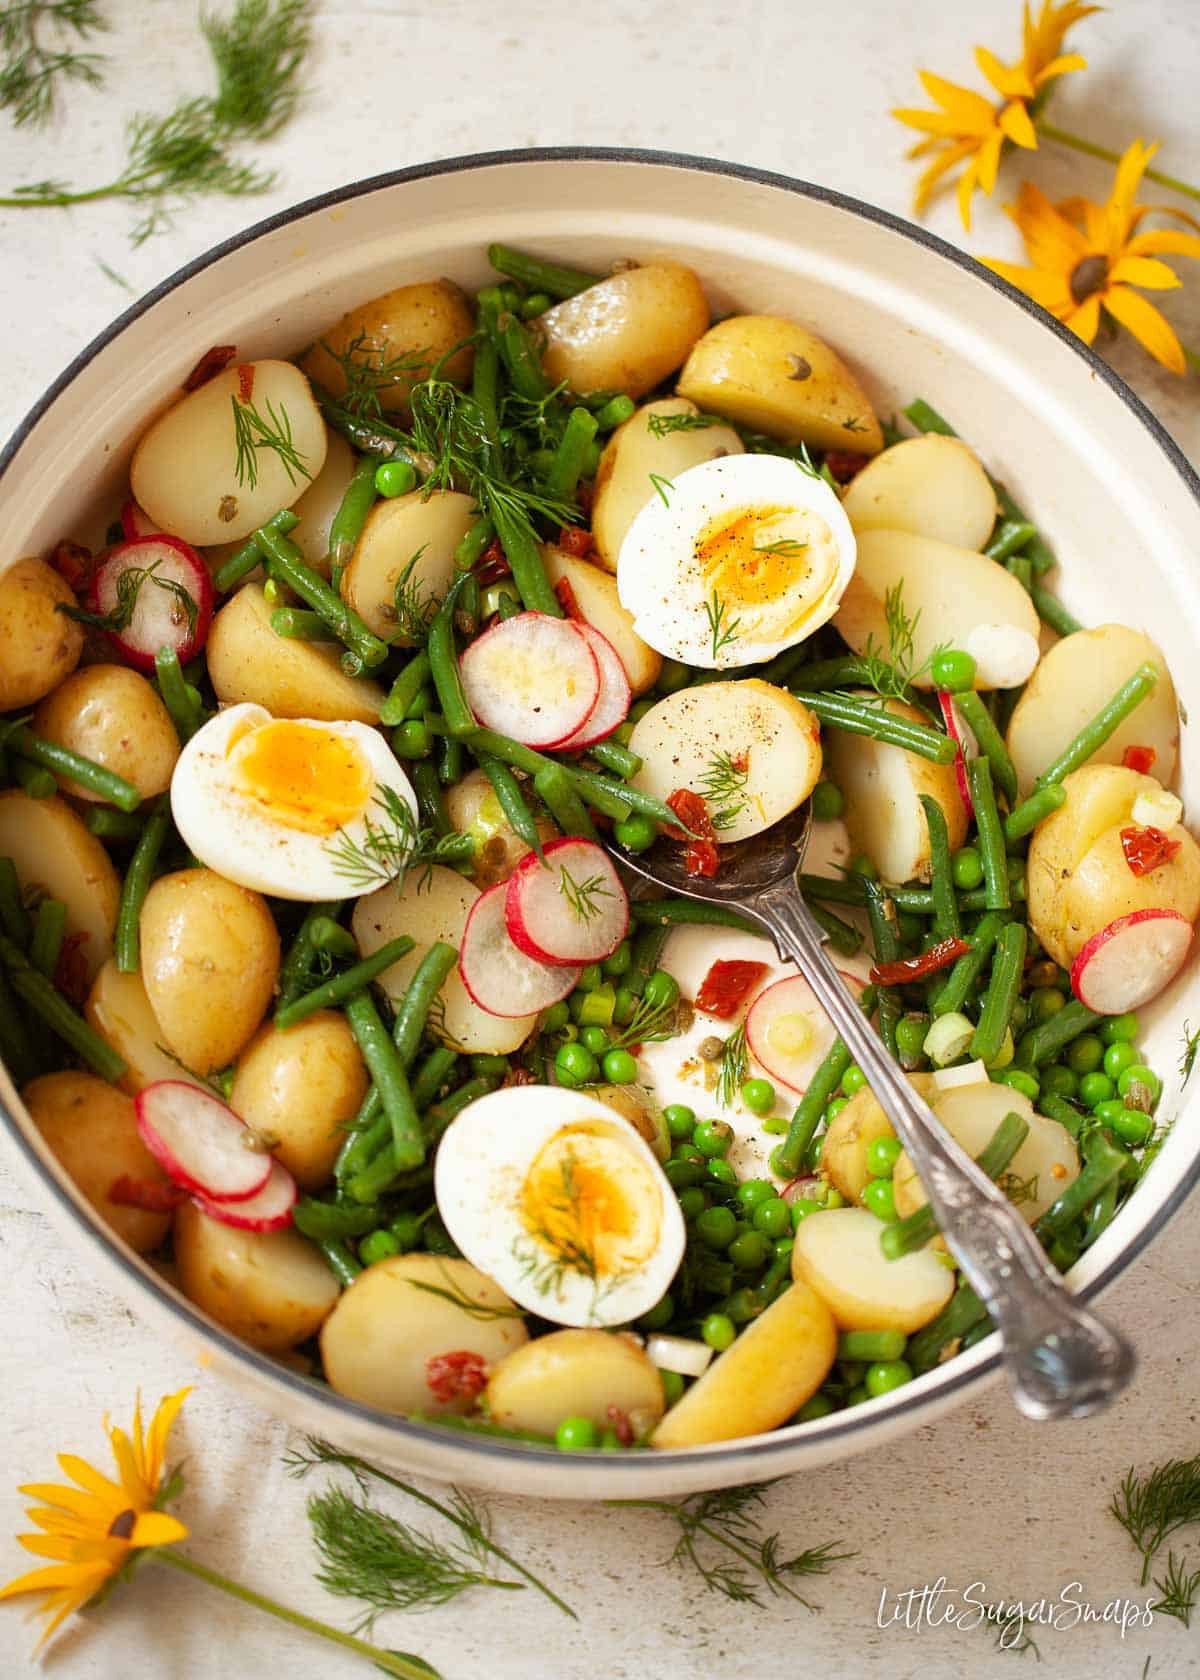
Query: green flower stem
{"x": 391, "y": 1662}
{"x": 1076, "y": 141}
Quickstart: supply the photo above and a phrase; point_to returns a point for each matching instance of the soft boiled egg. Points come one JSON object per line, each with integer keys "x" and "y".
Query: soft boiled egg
{"x": 290, "y": 806}
{"x": 560, "y": 1201}
{"x": 735, "y": 560}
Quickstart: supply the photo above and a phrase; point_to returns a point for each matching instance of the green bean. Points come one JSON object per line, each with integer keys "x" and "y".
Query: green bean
{"x": 432, "y": 1074}
{"x": 927, "y": 419}
{"x": 296, "y": 969}
{"x": 52, "y": 1008}
{"x": 602, "y": 795}
{"x": 962, "y": 977}
{"x": 1058, "y": 1108}
{"x": 830, "y": 889}
{"x": 1020, "y": 567}
{"x": 524, "y": 558}
{"x": 14, "y": 917}
{"x": 485, "y": 388}
{"x": 449, "y": 760}
{"x": 912, "y": 1233}
{"x": 16, "y": 1044}
{"x": 287, "y": 564}
{"x": 1040, "y": 554}
{"x": 1009, "y": 537}
{"x": 647, "y": 949}
{"x": 594, "y": 788}
{"x": 961, "y": 1313}
{"x": 323, "y": 1221}
{"x": 566, "y": 469}
{"x": 689, "y": 912}
{"x": 443, "y": 665}
{"x": 430, "y": 803}
{"x": 49, "y": 930}
{"x": 1103, "y": 1164}
{"x": 295, "y": 624}
{"x": 437, "y": 1118}
{"x": 613, "y": 756}
{"x": 979, "y": 721}
{"x": 475, "y": 544}
{"x": 553, "y": 787}
{"x": 328, "y": 935}
{"x": 73, "y": 767}
{"x": 405, "y": 690}
{"x": 142, "y": 865}
{"x": 881, "y": 912}
{"x": 1025, "y": 817}
{"x": 340, "y": 1261}
{"x": 845, "y": 671}
{"x": 391, "y": 1081}
{"x": 1052, "y": 612}
{"x": 946, "y": 923}
{"x": 380, "y": 1172}
{"x": 1105, "y": 723}
{"x": 250, "y": 555}
{"x": 861, "y": 717}
{"x": 803, "y": 1128}
{"x": 871, "y": 1345}
{"x": 539, "y": 276}
{"x": 107, "y": 823}
{"x": 346, "y": 527}
{"x": 365, "y": 1135}
{"x": 1101, "y": 1213}
{"x": 519, "y": 354}
{"x": 419, "y": 995}
{"x": 615, "y": 412}
{"x": 989, "y": 836}
{"x": 33, "y": 779}
{"x": 342, "y": 986}
{"x": 1003, "y": 989}
{"x": 512, "y": 801}
{"x": 178, "y": 696}
{"x": 508, "y": 751}
{"x": 1043, "y": 1042}
{"x": 844, "y": 938}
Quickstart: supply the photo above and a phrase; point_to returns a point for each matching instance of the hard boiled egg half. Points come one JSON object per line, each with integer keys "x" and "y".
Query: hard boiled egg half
{"x": 560, "y": 1201}
{"x": 292, "y": 807}
{"x": 735, "y": 560}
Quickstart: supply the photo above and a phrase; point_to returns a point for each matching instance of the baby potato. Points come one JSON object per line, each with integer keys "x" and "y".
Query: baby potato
{"x": 54, "y": 851}
{"x": 882, "y": 787}
{"x": 113, "y": 716}
{"x": 473, "y": 809}
{"x": 595, "y": 594}
{"x": 1104, "y": 887}
{"x": 301, "y": 1087}
{"x": 410, "y": 538}
{"x": 210, "y": 959}
{"x": 837, "y": 1253}
{"x": 382, "y": 1342}
{"x": 91, "y": 1129}
{"x": 270, "y": 1288}
{"x": 192, "y": 479}
{"x": 292, "y": 679}
{"x": 626, "y": 333}
{"x": 636, "y": 1104}
{"x": 1075, "y": 679}
{"x": 119, "y": 1010}
{"x": 951, "y": 595}
{"x": 633, "y": 452}
{"x": 39, "y": 645}
{"x": 777, "y": 377}
{"x": 932, "y": 486}
{"x": 319, "y": 504}
{"x": 408, "y": 329}
{"x": 777, "y": 1363}
{"x": 851, "y": 1133}
{"x": 773, "y": 739}
{"x": 576, "y": 1373}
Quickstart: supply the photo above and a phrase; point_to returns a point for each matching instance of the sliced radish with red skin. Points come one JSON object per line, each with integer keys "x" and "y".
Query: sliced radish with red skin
{"x": 572, "y": 909}
{"x": 159, "y": 618}
{"x": 788, "y": 1032}
{"x": 956, "y": 730}
{"x": 616, "y": 696}
{"x": 532, "y": 677}
{"x": 199, "y": 1141}
{"x": 1131, "y": 960}
{"x": 269, "y": 1210}
{"x": 136, "y": 522}
{"x": 500, "y": 978}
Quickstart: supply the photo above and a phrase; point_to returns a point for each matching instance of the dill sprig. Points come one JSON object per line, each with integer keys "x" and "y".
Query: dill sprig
{"x": 723, "y": 785}
{"x": 33, "y": 71}
{"x": 650, "y": 1023}
{"x": 723, "y": 630}
{"x": 727, "y": 1518}
{"x": 1151, "y": 1507}
{"x": 368, "y": 370}
{"x": 892, "y": 675}
{"x": 252, "y": 432}
{"x": 1179, "y": 1590}
{"x": 414, "y": 608}
{"x": 129, "y": 586}
{"x": 788, "y": 546}
{"x": 1191, "y": 1047}
{"x": 735, "y": 1061}
{"x": 458, "y": 1297}
{"x": 1018, "y": 1189}
{"x": 581, "y": 896}
{"x": 560, "y": 1241}
{"x": 662, "y": 425}
{"x": 258, "y": 52}
{"x": 391, "y": 846}
{"x": 662, "y": 485}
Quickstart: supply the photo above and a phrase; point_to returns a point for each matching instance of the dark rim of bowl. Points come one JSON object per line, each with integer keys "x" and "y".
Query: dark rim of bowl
{"x": 838, "y": 1424}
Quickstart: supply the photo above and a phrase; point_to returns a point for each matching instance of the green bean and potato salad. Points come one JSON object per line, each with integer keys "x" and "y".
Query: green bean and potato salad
{"x": 319, "y": 972}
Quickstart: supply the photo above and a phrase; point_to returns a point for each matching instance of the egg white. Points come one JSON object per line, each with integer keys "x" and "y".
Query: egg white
{"x": 241, "y": 840}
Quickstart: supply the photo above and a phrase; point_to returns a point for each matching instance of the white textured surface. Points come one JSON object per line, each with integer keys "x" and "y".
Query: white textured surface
{"x": 787, "y": 86}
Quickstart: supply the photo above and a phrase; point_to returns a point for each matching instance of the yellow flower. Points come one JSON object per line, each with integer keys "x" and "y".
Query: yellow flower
{"x": 970, "y": 128}
{"x": 1087, "y": 257}
{"x": 92, "y": 1530}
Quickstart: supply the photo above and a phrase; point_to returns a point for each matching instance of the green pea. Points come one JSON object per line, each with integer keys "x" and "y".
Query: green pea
{"x": 758, "y": 1096}
{"x": 882, "y": 1155}
{"x": 753, "y": 1192}
{"x": 376, "y": 1246}
{"x": 438, "y": 1240}
{"x": 672, "y": 677}
{"x": 853, "y": 1080}
{"x": 713, "y": 1138}
{"x": 1021, "y": 1081}
{"x": 879, "y": 1196}
{"x": 555, "y": 1017}
{"x": 1117, "y": 1057}
{"x": 743, "y": 1305}
{"x": 659, "y": 1315}
{"x": 1132, "y": 1126}
{"x": 682, "y": 1175}
{"x": 856, "y": 1395}
{"x": 819, "y": 1406}
{"x": 1085, "y": 1053}
{"x": 716, "y": 1227}
{"x": 692, "y": 1202}
{"x": 773, "y": 1219}
{"x": 595, "y": 1039}
{"x": 1095, "y": 1088}
{"x": 1120, "y": 1029}
{"x": 590, "y": 977}
{"x": 718, "y": 1331}
{"x": 624, "y": 1006}
{"x": 749, "y": 1252}
{"x": 395, "y": 478}
{"x": 722, "y": 1172}
{"x": 536, "y": 303}
{"x": 412, "y": 740}
{"x": 1138, "y": 1074}
{"x": 687, "y": 1151}
{"x": 1059, "y": 1081}
{"x": 966, "y": 867}
{"x": 637, "y": 833}
{"x": 953, "y": 669}
{"x": 618, "y": 962}
{"x": 777, "y": 1165}
{"x": 1045, "y": 1002}
{"x": 681, "y": 1121}
{"x": 661, "y": 990}
{"x": 827, "y": 802}
{"x": 575, "y": 1434}
{"x": 887, "y": 1374}
{"x": 910, "y": 1037}
{"x": 673, "y": 1386}
{"x": 577, "y": 1062}
{"x": 1108, "y": 1110}
{"x": 801, "y": 1208}
{"x": 833, "y": 1198}
{"x": 620, "y": 1068}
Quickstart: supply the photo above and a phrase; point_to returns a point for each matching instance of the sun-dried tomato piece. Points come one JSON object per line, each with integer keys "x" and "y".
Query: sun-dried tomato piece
{"x": 455, "y": 1376}
{"x": 1147, "y": 848}
{"x": 245, "y": 375}
{"x": 904, "y": 969}
{"x": 702, "y": 856}
{"x": 148, "y": 1194}
{"x": 573, "y": 539}
{"x": 74, "y": 563}
{"x": 845, "y": 463}
{"x": 212, "y": 363}
{"x": 727, "y": 985}
{"x": 1140, "y": 759}
{"x": 567, "y": 598}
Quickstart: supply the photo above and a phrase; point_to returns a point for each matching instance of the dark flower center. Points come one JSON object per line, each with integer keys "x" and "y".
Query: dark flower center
{"x": 122, "y": 1525}
{"x": 1090, "y": 275}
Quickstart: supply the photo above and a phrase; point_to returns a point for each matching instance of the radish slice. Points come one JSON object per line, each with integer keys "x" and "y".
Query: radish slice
{"x": 532, "y": 677}
{"x": 954, "y": 728}
{"x": 498, "y": 977}
{"x": 789, "y": 1033}
{"x": 160, "y": 619}
{"x": 269, "y": 1210}
{"x": 136, "y": 522}
{"x": 1131, "y": 960}
{"x": 199, "y": 1141}
{"x": 616, "y": 696}
{"x": 571, "y": 909}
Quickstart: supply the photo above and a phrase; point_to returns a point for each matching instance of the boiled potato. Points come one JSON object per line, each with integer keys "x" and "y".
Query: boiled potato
{"x": 626, "y": 333}
{"x": 185, "y": 469}
{"x": 633, "y": 452}
{"x": 932, "y": 486}
{"x": 270, "y": 1288}
{"x": 851, "y": 1133}
{"x": 777, "y": 1363}
{"x": 119, "y": 1010}
{"x": 772, "y": 740}
{"x": 595, "y": 594}
{"x": 637, "y": 1105}
{"x": 319, "y": 504}
{"x": 54, "y": 851}
{"x": 292, "y": 679}
{"x": 473, "y": 809}
{"x": 39, "y": 645}
{"x": 91, "y": 1128}
{"x": 410, "y": 538}
{"x": 576, "y": 1373}
{"x": 299, "y": 1088}
{"x": 837, "y": 1253}
{"x": 882, "y": 786}
{"x": 380, "y": 1342}
{"x": 408, "y": 329}
{"x": 1104, "y": 887}
{"x": 950, "y": 595}
{"x": 210, "y": 959}
{"x": 428, "y": 910}
{"x": 775, "y": 376}
{"x": 113, "y": 716}
{"x": 1076, "y": 678}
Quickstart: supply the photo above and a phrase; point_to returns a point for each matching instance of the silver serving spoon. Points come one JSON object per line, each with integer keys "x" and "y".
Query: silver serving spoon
{"x": 1061, "y": 1360}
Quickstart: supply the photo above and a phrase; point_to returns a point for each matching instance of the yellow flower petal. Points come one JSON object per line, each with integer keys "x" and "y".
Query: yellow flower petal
{"x": 1061, "y": 66}
{"x": 1169, "y": 241}
{"x": 160, "y": 1427}
{"x": 1015, "y": 123}
{"x": 1144, "y": 271}
{"x": 61, "y": 1522}
{"x": 157, "y": 1528}
{"x": 92, "y": 1481}
{"x": 87, "y": 1506}
{"x": 139, "y": 1495}
{"x": 1050, "y": 240}
{"x": 989, "y": 162}
{"x": 1148, "y": 326}
{"x": 1130, "y": 170}
{"x": 1085, "y": 321}
{"x": 1010, "y": 81}
{"x": 970, "y": 107}
{"x": 967, "y": 182}
{"x": 932, "y": 175}
{"x": 68, "y": 1575}
{"x": 942, "y": 124}
{"x": 1050, "y": 290}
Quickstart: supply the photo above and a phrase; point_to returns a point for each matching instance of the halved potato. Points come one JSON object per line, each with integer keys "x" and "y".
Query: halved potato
{"x": 271, "y": 1288}
{"x": 837, "y": 1253}
{"x": 882, "y": 786}
{"x": 119, "y": 1010}
{"x": 39, "y": 645}
{"x": 932, "y": 486}
{"x": 291, "y": 678}
{"x": 1103, "y": 887}
{"x": 1075, "y": 679}
{"x": 412, "y": 538}
{"x": 851, "y": 1133}
{"x": 114, "y": 717}
{"x": 595, "y": 594}
{"x": 300, "y": 1089}
{"x": 474, "y": 809}
{"x": 408, "y": 330}
{"x": 757, "y": 741}
{"x": 776, "y": 376}
{"x": 576, "y": 1373}
{"x": 634, "y": 451}
{"x": 54, "y": 851}
{"x": 626, "y": 333}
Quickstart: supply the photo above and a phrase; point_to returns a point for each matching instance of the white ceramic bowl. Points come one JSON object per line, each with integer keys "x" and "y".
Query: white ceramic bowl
{"x": 915, "y": 317}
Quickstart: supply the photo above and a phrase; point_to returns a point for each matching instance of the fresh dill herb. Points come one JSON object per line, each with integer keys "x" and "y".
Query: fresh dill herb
{"x": 662, "y": 485}
{"x": 723, "y": 785}
{"x": 1151, "y": 1507}
{"x": 458, "y": 1297}
{"x": 1191, "y": 1047}
{"x": 854, "y": 424}
{"x": 650, "y": 1023}
{"x": 563, "y": 1242}
{"x": 722, "y": 630}
{"x": 111, "y": 274}
{"x": 414, "y": 610}
{"x": 891, "y": 674}
{"x": 727, "y": 1518}
{"x": 252, "y": 432}
{"x": 1179, "y": 1590}
{"x": 735, "y": 1061}
{"x": 258, "y": 53}
{"x": 33, "y": 71}
{"x": 1008, "y": 1625}
{"x": 581, "y": 896}
{"x": 129, "y": 587}
{"x": 391, "y": 846}
{"x": 783, "y": 545}
{"x": 368, "y": 370}
{"x": 1018, "y": 1189}
{"x": 663, "y": 425}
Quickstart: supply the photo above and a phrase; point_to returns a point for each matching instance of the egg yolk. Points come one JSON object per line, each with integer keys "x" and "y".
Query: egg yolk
{"x": 764, "y": 557}
{"x": 591, "y": 1203}
{"x": 305, "y": 777}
